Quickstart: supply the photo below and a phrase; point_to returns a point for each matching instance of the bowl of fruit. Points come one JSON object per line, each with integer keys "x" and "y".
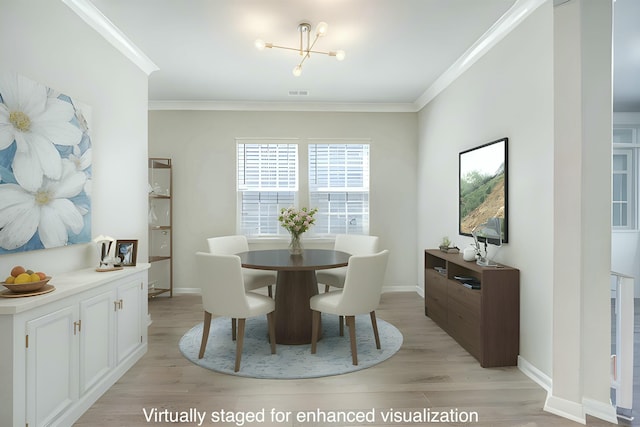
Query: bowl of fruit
{"x": 22, "y": 280}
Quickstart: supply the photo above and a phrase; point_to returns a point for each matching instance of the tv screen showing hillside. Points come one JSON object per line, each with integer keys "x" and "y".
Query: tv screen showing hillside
{"x": 483, "y": 186}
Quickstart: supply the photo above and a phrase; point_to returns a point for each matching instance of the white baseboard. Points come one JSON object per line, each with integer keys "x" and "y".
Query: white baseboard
{"x": 565, "y": 408}
{"x": 535, "y": 374}
{"x": 574, "y": 411}
{"x": 604, "y": 411}
{"x": 196, "y": 291}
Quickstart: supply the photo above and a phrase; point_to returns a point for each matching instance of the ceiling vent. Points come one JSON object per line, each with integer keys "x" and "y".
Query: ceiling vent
{"x": 298, "y": 93}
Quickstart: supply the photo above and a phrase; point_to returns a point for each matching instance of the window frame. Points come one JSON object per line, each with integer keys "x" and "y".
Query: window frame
{"x": 361, "y": 192}
{"x": 631, "y": 150}
{"x": 260, "y": 190}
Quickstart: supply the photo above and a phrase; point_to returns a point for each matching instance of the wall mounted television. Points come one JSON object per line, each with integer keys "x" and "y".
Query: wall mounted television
{"x": 482, "y": 190}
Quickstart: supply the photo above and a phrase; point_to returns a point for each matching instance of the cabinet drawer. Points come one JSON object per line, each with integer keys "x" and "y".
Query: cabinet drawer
{"x": 467, "y": 298}
{"x": 464, "y": 326}
{"x": 436, "y": 297}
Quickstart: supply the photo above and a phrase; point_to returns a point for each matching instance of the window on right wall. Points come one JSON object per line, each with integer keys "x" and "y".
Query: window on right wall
{"x": 626, "y": 149}
{"x": 339, "y": 187}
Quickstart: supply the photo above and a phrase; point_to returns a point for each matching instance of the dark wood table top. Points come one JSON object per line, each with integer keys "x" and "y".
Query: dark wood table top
{"x": 282, "y": 260}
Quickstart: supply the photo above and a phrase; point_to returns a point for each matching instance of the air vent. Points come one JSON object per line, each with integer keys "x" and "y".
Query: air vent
{"x": 298, "y": 93}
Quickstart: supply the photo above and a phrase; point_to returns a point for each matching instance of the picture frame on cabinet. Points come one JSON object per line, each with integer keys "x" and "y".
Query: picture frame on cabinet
{"x": 126, "y": 252}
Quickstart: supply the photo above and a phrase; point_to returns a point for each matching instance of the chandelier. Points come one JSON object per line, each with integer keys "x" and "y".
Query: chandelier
{"x": 305, "y": 49}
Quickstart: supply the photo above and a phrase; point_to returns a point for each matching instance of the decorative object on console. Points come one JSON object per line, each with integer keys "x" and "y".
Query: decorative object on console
{"x": 489, "y": 232}
{"x": 470, "y": 252}
{"x": 107, "y": 261}
{"x": 126, "y": 252}
{"x": 305, "y": 49}
{"x": 445, "y": 246}
{"x": 296, "y": 222}
{"x": 45, "y": 158}
{"x": 483, "y": 190}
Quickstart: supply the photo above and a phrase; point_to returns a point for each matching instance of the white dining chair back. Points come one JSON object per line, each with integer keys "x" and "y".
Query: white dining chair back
{"x": 356, "y": 244}
{"x": 363, "y": 284}
{"x": 224, "y": 294}
{"x": 360, "y": 295}
{"x": 223, "y": 290}
{"x": 231, "y": 245}
{"x": 353, "y": 244}
{"x": 228, "y": 245}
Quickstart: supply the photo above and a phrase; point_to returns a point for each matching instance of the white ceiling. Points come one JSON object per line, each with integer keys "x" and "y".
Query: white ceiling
{"x": 395, "y": 49}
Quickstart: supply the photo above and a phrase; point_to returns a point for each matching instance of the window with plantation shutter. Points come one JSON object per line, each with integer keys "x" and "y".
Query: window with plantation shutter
{"x": 339, "y": 187}
{"x": 267, "y": 182}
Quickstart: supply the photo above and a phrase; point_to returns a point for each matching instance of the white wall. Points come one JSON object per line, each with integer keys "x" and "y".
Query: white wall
{"x": 45, "y": 41}
{"x": 509, "y": 92}
{"x": 202, "y": 146}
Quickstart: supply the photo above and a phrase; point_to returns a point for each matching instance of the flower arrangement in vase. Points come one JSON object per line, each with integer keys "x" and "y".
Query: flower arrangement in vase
{"x": 296, "y": 222}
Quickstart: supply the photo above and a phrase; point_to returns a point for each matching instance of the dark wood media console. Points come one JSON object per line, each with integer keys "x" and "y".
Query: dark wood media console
{"x": 485, "y": 321}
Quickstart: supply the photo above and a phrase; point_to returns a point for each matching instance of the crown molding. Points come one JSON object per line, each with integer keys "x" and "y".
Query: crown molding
{"x": 96, "y": 20}
{"x": 503, "y": 26}
{"x": 283, "y": 106}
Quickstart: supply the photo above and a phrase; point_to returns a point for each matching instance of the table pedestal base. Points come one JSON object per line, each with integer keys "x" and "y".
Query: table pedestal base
{"x": 293, "y": 315}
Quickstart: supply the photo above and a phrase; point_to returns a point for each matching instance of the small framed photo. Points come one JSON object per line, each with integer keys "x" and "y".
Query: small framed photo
{"x": 126, "y": 252}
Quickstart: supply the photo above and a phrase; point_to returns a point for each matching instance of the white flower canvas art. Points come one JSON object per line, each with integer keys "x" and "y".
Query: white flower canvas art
{"x": 45, "y": 167}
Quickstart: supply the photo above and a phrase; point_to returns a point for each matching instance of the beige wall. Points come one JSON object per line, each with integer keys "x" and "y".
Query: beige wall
{"x": 202, "y": 146}
{"x": 80, "y": 63}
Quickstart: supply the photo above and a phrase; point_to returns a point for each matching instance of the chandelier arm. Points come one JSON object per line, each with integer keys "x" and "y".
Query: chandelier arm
{"x": 298, "y": 50}
{"x": 285, "y": 47}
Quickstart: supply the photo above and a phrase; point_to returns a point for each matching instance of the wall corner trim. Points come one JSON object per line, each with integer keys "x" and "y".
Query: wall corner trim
{"x": 103, "y": 26}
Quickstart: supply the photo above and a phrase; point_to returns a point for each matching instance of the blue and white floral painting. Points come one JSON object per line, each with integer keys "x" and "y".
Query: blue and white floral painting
{"x": 45, "y": 168}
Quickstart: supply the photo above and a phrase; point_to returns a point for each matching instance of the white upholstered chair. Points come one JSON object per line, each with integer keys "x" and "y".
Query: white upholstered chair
{"x": 353, "y": 244}
{"x": 231, "y": 245}
{"x": 224, "y": 294}
{"x": 360, "y": 295}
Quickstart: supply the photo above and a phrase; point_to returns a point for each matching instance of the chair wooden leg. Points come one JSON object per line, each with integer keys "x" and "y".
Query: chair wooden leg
{"x": 205, "y": 334}
{"x": 270, "y": 290}
{"x": 326, "y": 288}
{"x": 341, "y": 320}
{"x": 315, "y": 329}
{"x": 351, "y": 324}
{"x": 272, "y": 331}
{"x": 233, "y": 329}
{"x": 374, "y": 324}
{"x": 239, "y": 343}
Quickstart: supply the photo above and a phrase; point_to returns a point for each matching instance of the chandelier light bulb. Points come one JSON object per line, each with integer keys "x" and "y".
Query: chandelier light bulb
{"x": 297, "y": 71}
{"x": 260, "y": 44}
{"x": 340, "y": 55}
{"x": 321, "y": 29}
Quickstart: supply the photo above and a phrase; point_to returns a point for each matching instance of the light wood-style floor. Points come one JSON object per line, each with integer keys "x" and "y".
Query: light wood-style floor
{"x": 430, "y": 371}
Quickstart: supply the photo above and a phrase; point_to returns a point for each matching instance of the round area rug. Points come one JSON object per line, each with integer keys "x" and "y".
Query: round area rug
{"x": 333, "y": 354}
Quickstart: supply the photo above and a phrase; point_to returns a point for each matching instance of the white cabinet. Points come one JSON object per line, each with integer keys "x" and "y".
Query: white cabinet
{"x": 96, "y": 339}
{"x": 74, "y": 346}
{"x": 52, "y": 365}
{"x": 129, "y": 322}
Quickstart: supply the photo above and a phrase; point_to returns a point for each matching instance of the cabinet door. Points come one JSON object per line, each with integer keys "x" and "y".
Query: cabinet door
{"x": 128, "y": 319}
{"x": 52, "y": 365}
{"x": 97, "y": 341}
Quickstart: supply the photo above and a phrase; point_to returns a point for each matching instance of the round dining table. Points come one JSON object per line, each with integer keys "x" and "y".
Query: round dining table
{"x": 295, "y": 284}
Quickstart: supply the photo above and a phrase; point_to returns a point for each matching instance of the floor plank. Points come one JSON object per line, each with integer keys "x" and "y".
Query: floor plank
{"x": 430, "y": 371}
